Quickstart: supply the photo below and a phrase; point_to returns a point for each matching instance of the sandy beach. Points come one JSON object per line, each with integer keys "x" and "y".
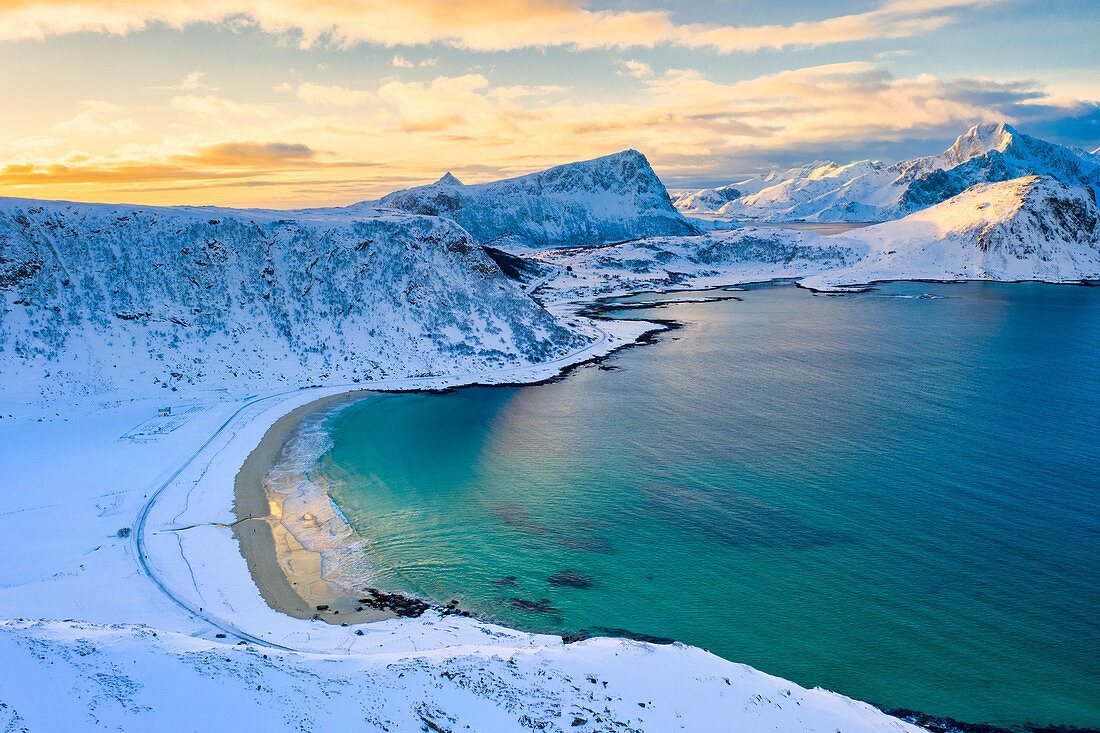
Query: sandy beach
{"x": 270, "y": 548}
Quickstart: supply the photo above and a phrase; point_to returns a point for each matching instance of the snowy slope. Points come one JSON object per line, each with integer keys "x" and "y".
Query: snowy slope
{"x": 125, "y": 677}
{"x": 1031, "y": 228}
{"x": 663, "y": 263}
{"x": 97, "y": 298}
{"x": 706, "y": 200}
{"x": 873, "y": 191}
{"x": 608, "y": 199}
{"x": 709, "y": 200}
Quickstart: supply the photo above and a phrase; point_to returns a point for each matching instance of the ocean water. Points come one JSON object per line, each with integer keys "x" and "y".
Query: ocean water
{"x": 887, "y": 495}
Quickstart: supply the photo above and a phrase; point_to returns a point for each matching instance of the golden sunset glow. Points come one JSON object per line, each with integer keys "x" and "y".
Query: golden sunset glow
{"x": 290, "y": 103}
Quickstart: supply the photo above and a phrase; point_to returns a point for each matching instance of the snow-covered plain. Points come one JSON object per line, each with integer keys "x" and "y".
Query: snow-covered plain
{"x": 664, "y": 263}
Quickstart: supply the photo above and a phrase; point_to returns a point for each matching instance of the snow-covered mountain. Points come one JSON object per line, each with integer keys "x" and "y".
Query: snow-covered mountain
{"x": 609, "y": 199}
{"x": 873, "y": 191}
{"x": 99, "y": 298}
{"x": 710, "y": 200}
{"x": 1031, "y": 228}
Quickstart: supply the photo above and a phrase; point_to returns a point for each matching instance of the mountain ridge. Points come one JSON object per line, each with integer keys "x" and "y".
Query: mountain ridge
{"x": 611, "y": 198}
{"x": 98, "y": 298}
{"x": 1028, "y": 228}
{"x": 873, "y": 191}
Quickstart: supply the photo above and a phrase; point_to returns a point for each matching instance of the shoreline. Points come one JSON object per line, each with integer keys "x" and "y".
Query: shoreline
{"x": 274, "y": 557}
{"x": 269, "y": 548}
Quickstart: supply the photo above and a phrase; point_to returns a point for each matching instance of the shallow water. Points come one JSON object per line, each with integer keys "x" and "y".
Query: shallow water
{"x": 889, "y": 496}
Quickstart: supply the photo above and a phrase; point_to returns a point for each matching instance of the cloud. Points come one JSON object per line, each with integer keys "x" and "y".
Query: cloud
{"x": 249, "y": 154}
{"x": 894, "y": 54}
{"x": 483, "y": 25}
{"x": 232, "y": 160}
{"x": 693, "y": 126}
{"x": 30, "y": 147}
{"x": 191, "y": 82}
{"x": 401, "y": 62}
{"x": 336, "y": 96}
{"x": 522, "y": 90}
{"x": 635, "y": 68}
{"x": 207, "y": 107}
{"x": 99, "y": 117}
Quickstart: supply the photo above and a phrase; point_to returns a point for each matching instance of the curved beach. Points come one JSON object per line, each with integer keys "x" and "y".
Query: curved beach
{"x": 287, "y": 573}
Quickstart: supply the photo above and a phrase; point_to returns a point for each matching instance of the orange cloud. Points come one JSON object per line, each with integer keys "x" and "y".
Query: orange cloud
{"x": 472, "y": 24}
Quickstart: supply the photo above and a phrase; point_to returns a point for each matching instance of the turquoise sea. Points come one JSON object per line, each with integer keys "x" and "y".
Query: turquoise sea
{"x": 891, "y": 494}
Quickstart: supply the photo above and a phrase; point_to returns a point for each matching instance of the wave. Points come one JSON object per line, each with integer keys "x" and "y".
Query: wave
{"x": 313, "y": 526}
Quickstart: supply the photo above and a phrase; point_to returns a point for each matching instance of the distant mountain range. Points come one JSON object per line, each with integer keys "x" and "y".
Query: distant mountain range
{"x": 873, "y": 191}
{"x": 101, "y": 299}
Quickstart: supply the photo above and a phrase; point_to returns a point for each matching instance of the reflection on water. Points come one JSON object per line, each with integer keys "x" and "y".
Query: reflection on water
{"x": 893, "y": 497}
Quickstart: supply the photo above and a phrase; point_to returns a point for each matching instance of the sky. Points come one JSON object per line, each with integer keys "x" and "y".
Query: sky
{"x": 287, "y": 103}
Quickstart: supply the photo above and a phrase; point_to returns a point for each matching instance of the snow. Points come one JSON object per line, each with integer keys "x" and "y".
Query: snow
{"x": 873, "y": 191}
{"x": 134, "y": 678}
{"x": 93, "y": 642}
{"x": 607, "y": 199}
{"x": 114, "y": 299}
{"x": 121, "y": 570}
{"x": 718, "y": 258}
{"x": 1030, "y": 228}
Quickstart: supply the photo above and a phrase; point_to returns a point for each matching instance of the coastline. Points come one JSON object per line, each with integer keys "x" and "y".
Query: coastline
{"x": 195, "y": 621}
{"x": 278, "y": 563}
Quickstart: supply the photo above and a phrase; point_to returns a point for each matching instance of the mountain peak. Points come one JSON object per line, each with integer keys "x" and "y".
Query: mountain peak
{"x": 448, "y": 179}
{"x": 982, "y": 138}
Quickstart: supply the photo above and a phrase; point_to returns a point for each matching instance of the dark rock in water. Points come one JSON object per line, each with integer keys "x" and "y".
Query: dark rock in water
{"x": 507, "y": 580}
{"x": 541, "y": 606}
{"x": 515, "y": 515}
{"x": 399, "y": 604}
{"x": 571, "y": 579}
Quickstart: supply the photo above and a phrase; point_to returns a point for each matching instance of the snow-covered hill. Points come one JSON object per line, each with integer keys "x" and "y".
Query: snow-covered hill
{"x": 608, "y": 199}
{"x": 873, "y": 191}
{"x": 664, "y": 263}
{"x": 1031, "y": 228}
{"x": 97, "y": 298}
